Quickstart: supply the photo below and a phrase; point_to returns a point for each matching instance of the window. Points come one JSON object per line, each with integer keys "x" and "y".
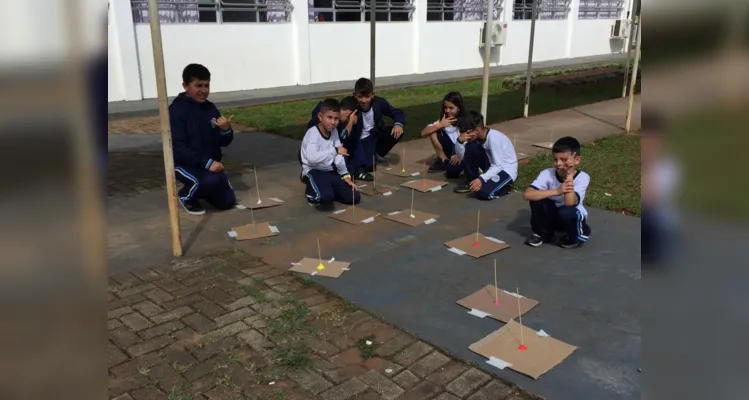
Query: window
{"x": 600, "y": 9}
{"x": 461, "y": 10}
{"x": 358, "y": 10}
{"x": 194, "y": 11}
{"x": 547, "y": 9}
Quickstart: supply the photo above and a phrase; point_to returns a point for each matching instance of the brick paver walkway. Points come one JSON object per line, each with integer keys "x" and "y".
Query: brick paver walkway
{"x": 226, "y": 326}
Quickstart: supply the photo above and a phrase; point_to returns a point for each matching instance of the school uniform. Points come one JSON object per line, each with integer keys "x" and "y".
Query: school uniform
{"x": 447, "y": 138}
{"x": 197, "y": 143}
{"x": 551, "y": 214}
{"x": 496, "y": 157}
{"x": 375, "y": 137}
{"x": 350, "y": 140}
{"x": 325, "y": 169}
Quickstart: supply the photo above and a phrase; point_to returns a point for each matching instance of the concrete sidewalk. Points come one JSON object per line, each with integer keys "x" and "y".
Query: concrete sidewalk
{"x": 406, "y": 276}
{"x": 150, "y": 107}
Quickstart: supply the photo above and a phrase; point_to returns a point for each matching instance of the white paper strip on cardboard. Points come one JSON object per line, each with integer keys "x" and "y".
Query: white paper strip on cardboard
{"x": 394, "y": 213}
{"x": 542, "y": 333}
{"x": 339, "y": 211}
{"x": 457, "y": 251}
{"x": 410, "y": 181}
{"x": 430, "y": 221}
{"x": 232, "y": 234}
{"x": 344, "y": 269}
{"x": 478, "y": 313}
{"x": 416, "y": 174}
{"x": 513, "y": 293}
{"x": 313, "y": 273}
{"x": 496, "y": 362}
{"x": 277, "y": 200}
{"x": 331, "y": 260}
{"x": 361, "y": 186}
{"x": 368, "y": 220}
{"x": 436, "y": 188}
{"x": 387, "y": 193}
{"x": 240, "y": 207}
{"x": 296, "y": 264}
{"x": 274, "y": 229}
{"x": 495, "y": 240}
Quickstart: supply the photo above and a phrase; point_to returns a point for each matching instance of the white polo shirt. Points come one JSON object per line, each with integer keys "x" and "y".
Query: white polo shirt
{"x": 549, "y": 180}
{"x": 451, "y": 131}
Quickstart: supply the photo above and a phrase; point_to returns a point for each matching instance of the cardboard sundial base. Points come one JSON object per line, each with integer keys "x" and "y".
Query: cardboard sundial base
{"x": 544, "y": 145}
{"x": 542, "y": 352}
{"x": 379, "y": 190}
{"x": 424, "y": 185}
{"x": 404, "y": 217}
{"x": 264, "y": 203}
{"x": 481, "y": 304}
{"x": 465, "y": 245}
{"x": 332, "y": 269}
{"x": 398, "y": 171}
{"x": 245, "y": 232}
{"x": 355, "y": 216}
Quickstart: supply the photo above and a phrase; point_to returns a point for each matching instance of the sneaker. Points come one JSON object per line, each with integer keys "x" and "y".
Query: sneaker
{"x": 437, "y": 166}
{"x": 382, "y": 161}
{"x": 363, "y": 176}
{"x": 567, "y": 242}
{"x": 464, "y": 188}
{"x": 192, "y": 207}
{"x": 534, "y": 240}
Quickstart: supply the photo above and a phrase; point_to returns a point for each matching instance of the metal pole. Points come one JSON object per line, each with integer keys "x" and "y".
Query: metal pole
{"x": 487, "y": 56}
{"x": 372, "y": 41}
{"x": 634, "y": 79}
{"x": 529, "y": 72}
{"x": 629, "y": 46}
{"x": 166, "y": 132}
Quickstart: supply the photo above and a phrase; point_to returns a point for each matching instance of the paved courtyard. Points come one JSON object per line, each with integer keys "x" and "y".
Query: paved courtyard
{"x": 403, "y": 275}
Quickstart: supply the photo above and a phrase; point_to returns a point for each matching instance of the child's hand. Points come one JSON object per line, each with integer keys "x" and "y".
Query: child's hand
{"x": 446, "y": 122}
{"x": 350, "y": 182}
{"x": 568, "y": 186}
{"x": 216, "y": 166}
{"x": 353, "y": 119}
{"x": 467, "y": 136}
{"x": 342, "y": 151}
{"x": 224, "y": 123}
{"x": 454, "y": 160}
{"x": 397, "y": 131}
{"x": 476, "y": 185}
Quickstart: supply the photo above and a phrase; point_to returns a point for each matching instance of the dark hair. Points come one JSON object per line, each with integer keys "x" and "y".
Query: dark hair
{"x": 195, "y": 72}
{"x": 455, "y": 98}
{"x": 566, "y": 144}
{"x": 330, "y": 105}
{"x": 470, "y": 121}
{"x": 363, "y": 87}
{"x": 349, "y": 103}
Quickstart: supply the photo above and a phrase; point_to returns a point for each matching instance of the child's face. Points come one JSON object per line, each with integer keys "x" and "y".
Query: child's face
{"x": 450, "y": 110}
{"x": 329, "y": 119}
{"x": 564, "y": 161}
{"x": 345, "y": 115}
{"x": 198, "y": 90}
{"x": 365, "y": 101}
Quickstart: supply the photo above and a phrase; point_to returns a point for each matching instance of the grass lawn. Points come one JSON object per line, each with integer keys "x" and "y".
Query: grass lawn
{"x": 422, "y": 105}
{"x": 613, "y": 164}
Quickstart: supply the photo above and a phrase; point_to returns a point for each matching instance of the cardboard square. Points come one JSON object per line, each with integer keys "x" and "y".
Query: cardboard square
{"x": 542, "y": 354}
{"x": 399, "y": 171}
{"x": 333, "y": 269}
{"x": 487, "y": 245}
{"x": 360, "y": 216}
{"x": 420, "y": 217}
{"x": 265, "y": 202}
{"x": 379, "y": 190}
{"x": 424, "y": 185}
{"x": 245, "y": 232}
{"x": 545, "y": 145}
{"x": 483, "y": 302}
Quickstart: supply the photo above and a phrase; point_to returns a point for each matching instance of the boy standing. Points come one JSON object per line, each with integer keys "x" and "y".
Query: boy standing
{"x": 199, "y": 131}
{"x": 556, "y": 198}
{"x": 487, "y": 150}
{"x": 322, "y": 160}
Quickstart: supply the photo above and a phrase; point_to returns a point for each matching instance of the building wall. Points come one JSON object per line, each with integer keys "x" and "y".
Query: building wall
{"x": 244, "y": 56}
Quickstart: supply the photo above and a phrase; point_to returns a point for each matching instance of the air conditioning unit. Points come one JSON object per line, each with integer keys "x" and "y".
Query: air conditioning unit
{"x": 621, "y": 29}
{"x": 499, "y": 34}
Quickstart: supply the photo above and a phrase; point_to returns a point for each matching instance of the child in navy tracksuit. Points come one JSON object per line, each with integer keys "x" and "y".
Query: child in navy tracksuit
{"x": 198, "y": 134}
{"x": 376, "y": 138}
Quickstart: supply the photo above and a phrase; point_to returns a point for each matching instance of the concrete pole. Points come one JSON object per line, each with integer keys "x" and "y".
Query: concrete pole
{"x": 487, "y": 57}
{"x": 372, "y": 40}
{"x": 632, "y": 17}
{"x": 166, "y": 132}
{"x": 529, "y": 72}
{"x": 634, "y": 79}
